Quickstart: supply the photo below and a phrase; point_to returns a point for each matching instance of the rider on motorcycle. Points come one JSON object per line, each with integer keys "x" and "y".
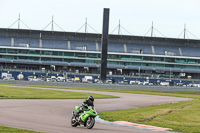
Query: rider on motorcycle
{"x": 85, "y": 114}
{"x": 86, "y": 103}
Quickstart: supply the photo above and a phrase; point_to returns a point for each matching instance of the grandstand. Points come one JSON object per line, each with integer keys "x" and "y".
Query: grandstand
{"x": 71, "y": 51}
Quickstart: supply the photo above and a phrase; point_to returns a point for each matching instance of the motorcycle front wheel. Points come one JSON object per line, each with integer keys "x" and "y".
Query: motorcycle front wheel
{"x": 74, "y": 123}
{"x": 90, "y": 122}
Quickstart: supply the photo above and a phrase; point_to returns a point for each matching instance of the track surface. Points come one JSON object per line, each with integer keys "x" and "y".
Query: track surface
{"x": 53, "y": 116}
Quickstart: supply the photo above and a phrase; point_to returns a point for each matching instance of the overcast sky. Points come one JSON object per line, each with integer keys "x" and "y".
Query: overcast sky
{"x": 136, "y": 16}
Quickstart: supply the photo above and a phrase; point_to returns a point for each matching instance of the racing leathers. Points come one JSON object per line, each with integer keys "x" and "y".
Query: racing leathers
{"x": 85, "y": 105}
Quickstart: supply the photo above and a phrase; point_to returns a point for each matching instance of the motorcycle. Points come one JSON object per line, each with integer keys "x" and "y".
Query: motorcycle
{"x": 87, "y": 118}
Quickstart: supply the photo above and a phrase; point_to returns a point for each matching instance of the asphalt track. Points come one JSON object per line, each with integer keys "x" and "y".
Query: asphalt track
{"x": 53, "y": 116}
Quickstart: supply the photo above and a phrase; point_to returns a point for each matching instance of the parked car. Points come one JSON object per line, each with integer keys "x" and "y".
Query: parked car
{"x": 33, "y": 78}
{"x": 48, "y": 79}
{"x": 123, "y": 82}
{"x": 145, "y": 83}
{"x": 190, "y": 85}
{"x": 135, "y": 82}
{"x": 88, "y": 79}
{"x": 179, "y": 84}
{"x": 61, "y": 79}
{"x": 150, "y": 84}
{"x": 6, "y": 75}
{"x": 20, "y": 76}
{"x": 164, "y": 83}
{"x": 140, "y": 83}
{"x": 109, "y": 81}
{"x": 9, "y": 78}
{"x": 132, "y": 82}
{"x": 77, "y": 80}
{"x": 53, "y": 78}
{"x": 70, "y": 80}
{"x": 196, "y": 85}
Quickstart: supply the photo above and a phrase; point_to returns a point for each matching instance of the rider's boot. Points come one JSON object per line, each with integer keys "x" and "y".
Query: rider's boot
{"x": 79, "y": 118}
{"x": 80, "y": 121}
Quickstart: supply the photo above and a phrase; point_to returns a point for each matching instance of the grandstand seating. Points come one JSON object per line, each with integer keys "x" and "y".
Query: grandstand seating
{"x": 54, "y": 62}
{"x": 33, "y": 42}
{"x": 146, "y": 68}
{"x": 83, "y": 64}
{"x": 5, "y": 41}
{"x": 55, "y": 44}
{"x": 24, "y": 61}
{"x": 140, "y": 67}
{"x": 99, "y": 46}
{"x": 191, "y": 70}
{"x": 133, "y": 67}
{"x": 83, "y": 45}
{"x": 112, "y": 47}
{"x": 4, "y": 60}
{"x": 116, "y": 47}
{"x": 91, "y": 46}
{"x": 176, "y": 70}
{"x": 152, "y": 68}
{"x": 162, "y": 69}
{"x": 160, "y": 50}
{"x": 115, "y": 66}
{"x": 191, "y": 51}
{"x": 146, "y": 49}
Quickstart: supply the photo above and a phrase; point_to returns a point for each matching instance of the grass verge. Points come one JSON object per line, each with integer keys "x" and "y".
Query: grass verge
{"x": 4, "y": 129}
{"x": 195, "y": 95}
{"x": 29, "y": 93}
{"x": 182, "y": 117}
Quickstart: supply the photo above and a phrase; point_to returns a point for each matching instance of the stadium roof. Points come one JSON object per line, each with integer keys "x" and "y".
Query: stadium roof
{"x": 97, "y": 37}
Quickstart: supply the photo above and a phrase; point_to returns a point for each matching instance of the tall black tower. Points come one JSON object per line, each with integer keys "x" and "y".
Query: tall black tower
{"x": 104, "y": 45}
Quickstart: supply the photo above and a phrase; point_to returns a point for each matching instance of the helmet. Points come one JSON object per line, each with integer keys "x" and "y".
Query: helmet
{"x": 91, "y": 98}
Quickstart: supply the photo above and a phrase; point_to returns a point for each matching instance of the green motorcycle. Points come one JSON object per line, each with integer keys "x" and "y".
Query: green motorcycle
{"x": 87, "y": 118}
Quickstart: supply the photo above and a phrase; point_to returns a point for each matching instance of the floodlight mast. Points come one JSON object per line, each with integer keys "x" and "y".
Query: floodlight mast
{"x": 184, "y": 31}
{"x": 19, "y": 22}
{"x": 104, "y": 46}
{"x": 152, "y": 30}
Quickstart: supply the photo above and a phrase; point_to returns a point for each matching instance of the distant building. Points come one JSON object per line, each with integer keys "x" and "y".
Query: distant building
{"x": 71, "y": 51}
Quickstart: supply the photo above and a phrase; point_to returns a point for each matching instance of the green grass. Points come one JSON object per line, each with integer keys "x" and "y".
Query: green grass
{"x": 29, "y": 93}
{"x": 195, "y": 95}
{"x": 4, "y": 129}
{"x": 181, "y": 117}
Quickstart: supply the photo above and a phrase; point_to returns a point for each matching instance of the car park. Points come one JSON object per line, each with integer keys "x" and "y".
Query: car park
{"x": 132, "y": 82}
{"x": 145, "y": 83}
{"x": 123, "y": 82}
{"x": 61, "y": 79}
{"x": 150, "y": 84}
{"x": 53, "y": 79}
{"x": 77, "y": 79}
{"x": 88, "y": 79}
{"x": 33, "y": 78}
{"x": 196, "y": 85}
{"x": 48, "y": 79}
{"x": 164, "y": 83}
{"x": 179, "y": 84}
{"x": 9, "y": 78}
{"x": 70, "y": 80}
{"x": 109, "y": 81}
